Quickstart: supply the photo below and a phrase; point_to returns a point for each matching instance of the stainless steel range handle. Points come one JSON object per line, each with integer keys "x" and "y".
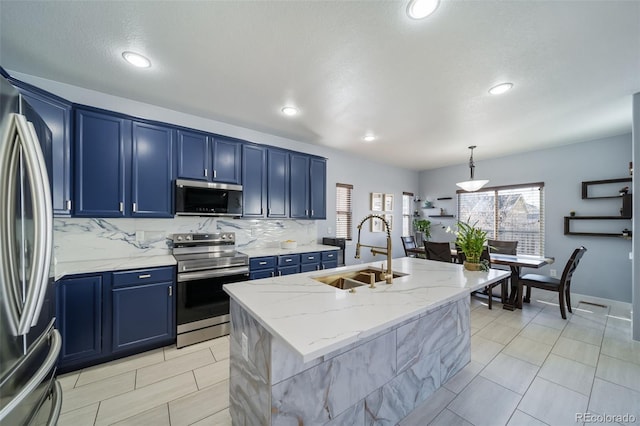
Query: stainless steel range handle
{"x": 56, "y": 404}
{"x": 216, "y": 273}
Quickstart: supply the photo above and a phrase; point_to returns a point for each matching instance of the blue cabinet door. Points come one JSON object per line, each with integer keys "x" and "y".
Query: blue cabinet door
{"x": 264, "y": 273}
{"x": 329, "y": 264}
{"x": 299, "y": 202}
{"x": 102, "y": 145}
{"x": 79, "y": 312}
{"x": 318, "y": 188}
{"x": 151, "y": 170}
{"x": 143, "y": 315}
{"x": 254, "y": 181}
{"x": 226, "y": 160}
{"x": 277, "y": 183}
{"x": 288, "y": 270}
{"x": 193, "y": 155}
{"x": 56, "y": 113}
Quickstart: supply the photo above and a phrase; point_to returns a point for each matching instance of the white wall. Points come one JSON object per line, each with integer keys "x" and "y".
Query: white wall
{"x": 605, "y": 270}
{"x": 366, "y": 176}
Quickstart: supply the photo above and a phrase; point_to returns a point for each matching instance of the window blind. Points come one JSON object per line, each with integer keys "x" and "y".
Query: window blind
{"x": 344, "y": 214}
{"x": 407, "y": 200}
{"x": 511, "y": 213}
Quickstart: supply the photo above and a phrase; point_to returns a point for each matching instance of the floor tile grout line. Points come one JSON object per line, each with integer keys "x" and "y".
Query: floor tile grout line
{"x": 95, "y": 418}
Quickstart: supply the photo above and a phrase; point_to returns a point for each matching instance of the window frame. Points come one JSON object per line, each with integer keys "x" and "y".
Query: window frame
{"x": 496, "y": 218}
{"x": 345, "y": 213}
{"x": 408, "y": 216}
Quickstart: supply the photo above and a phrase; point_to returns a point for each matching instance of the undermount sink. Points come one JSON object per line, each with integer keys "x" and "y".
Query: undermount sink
{"x": 351, "y": 279}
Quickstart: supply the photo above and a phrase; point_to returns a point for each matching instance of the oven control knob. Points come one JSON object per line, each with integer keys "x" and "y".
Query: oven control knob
{"x": 179, "y": 238}
{"x": 188, "y": 237}
{"x": 224, "y": 236}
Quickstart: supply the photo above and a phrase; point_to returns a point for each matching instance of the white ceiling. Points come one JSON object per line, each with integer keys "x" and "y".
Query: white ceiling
{"x": 353, "y": 67}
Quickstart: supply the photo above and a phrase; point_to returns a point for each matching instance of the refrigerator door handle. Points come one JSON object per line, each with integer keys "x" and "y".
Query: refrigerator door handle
{"x": 46, "y": 367}
{"x": 56, "y": 404}
{"x": 9, "y": 285}
{"x": 43, "y": 232}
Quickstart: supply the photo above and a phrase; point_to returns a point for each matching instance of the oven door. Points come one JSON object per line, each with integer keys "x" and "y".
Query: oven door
{"x": 201, "y": 297}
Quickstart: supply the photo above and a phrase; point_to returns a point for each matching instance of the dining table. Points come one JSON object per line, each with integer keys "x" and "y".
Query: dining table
{"x": 514, "y": 261}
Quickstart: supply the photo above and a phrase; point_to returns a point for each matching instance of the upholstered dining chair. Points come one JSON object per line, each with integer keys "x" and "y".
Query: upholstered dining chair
{"x": 437, "y": 251}
{"x": 488, "y": 289}
{"x": 562, "y": 285}
{"x": 408, "y": 242}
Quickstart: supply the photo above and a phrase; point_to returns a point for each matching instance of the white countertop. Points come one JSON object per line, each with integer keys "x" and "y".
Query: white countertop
{"x": 316, "y": 319}
{"x": 105, "y": 265}
{"x": 276, "y": 251}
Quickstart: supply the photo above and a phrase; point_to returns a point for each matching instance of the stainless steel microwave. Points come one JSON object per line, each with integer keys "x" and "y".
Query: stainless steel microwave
{"x": 197, "y": 198}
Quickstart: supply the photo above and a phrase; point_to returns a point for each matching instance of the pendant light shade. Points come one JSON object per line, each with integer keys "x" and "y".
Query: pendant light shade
{"x": 472, "y": 185}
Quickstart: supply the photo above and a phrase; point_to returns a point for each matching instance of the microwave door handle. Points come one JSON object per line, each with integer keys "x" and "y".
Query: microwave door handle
{"x": 42, "y": 224}
{"x": 10, "y": 287}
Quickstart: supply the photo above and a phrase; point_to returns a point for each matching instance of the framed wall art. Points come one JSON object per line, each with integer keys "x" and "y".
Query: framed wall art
{"x": 376, "y": 201}
{"x": 389, "y": 219}
{"x": 376, "y": 225}
{"x": 388, "y": 202}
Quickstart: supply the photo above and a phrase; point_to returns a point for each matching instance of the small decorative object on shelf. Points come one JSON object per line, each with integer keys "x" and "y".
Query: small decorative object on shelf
{"x": 428, "y": 204}
{"x": 572, "y": 213}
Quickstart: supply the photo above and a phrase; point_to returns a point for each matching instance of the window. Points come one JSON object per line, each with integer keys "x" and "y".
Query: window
{"x": 344, "y": 221}
{"x": 407, "y": 200}
{"x": 512, "y": 213}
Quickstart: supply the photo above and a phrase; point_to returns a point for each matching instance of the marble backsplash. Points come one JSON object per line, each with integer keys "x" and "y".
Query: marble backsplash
{"x": 77, "y": 239}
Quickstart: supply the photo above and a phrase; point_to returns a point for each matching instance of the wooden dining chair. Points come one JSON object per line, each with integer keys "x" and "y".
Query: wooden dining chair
{"x": 503, "y": 247}
{"x": 437, "y": 251}
{"x": 562, "y": 285}
{"x": 408, "y": 242}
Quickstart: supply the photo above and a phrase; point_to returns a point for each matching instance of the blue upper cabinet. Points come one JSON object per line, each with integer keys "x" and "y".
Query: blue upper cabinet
{"x": 318, "y": 188}
{"x": 208, "y": 157}
{"x": 277, "y": 183}
{"x": 193, "y": 155}
{"x": 123, "y": 168}
{"x": 308, "y": 187}
{"x": 254, "y": 180}
{"x": 56, "y": 113}
{"x": 151, "y": 170}
{"x": 226, "y": 159}
{"x": 299, "y": 186}
{"x": 102, "y": 151}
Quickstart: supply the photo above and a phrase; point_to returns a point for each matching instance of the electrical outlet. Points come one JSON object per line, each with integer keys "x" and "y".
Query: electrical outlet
{"x": 553, "y": 272}
{"x": 245, "y": 347}
{"x": 329, "y": 230}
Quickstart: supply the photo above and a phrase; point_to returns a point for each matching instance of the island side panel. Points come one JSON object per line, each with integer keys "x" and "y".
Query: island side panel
{"x": 249, "y": 379}
{"x": 408, "y": 363}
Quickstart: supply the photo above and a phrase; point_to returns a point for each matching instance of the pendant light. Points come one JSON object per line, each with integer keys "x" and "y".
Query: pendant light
{"x": 472, "y": 185}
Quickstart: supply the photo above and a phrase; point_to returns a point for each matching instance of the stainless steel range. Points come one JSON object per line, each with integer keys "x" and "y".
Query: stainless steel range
{"x": 205, "y": 263}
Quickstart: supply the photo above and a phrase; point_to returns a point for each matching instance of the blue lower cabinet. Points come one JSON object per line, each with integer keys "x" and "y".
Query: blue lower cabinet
{"x": 79, "y": 318}
{"x": 262, "y": 267}
{"x": 288, "y": 270}
{"x": 329, "y": 259}
{"x": 143, "y": 315}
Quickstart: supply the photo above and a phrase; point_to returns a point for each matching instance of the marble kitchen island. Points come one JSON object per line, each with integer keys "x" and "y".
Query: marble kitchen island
{"x": 306, "y": 353}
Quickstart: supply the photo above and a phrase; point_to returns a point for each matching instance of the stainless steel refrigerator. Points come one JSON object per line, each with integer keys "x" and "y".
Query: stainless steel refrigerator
{"x": 29, "y": 343}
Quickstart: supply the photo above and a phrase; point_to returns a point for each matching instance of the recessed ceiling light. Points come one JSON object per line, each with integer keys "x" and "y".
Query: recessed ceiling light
{"x": 369, "y": 138}
{"x": 136, "y": 59}
{"x": 290, "y": 110}
{"x": 419, "y": 9}
{"x": 500, "y": 88}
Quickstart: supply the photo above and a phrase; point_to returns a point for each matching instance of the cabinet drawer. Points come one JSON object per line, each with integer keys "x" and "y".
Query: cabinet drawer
{"x": 329, "y": 255}
{"x": 330, "y": 264}
{"x": 308, "y": 267}
{"x": 262, "y": 263}
{"x": 289, "y": 260}
{"x": 310, "y": 257}
{"x": 288, "y": 270}
{"x": 143, "y": 276}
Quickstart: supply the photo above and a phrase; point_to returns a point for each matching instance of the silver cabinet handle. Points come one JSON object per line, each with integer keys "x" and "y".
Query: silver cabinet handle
{"x": 273, "y": 274}
{"x": 288, "y": 260}
{"x": 143, "y": 276}
{"x": 68, "y": 204}
{"x": 206, "y": 173}
{"x": 215, "y": 173}
{"x": 170, "y": 290}
{"x": 262, "y": 263}
{"x": 134, "y": 207}
{"x": 311, "y": 212}
{"x": 121, "y": 206}
{"x": 306, "y": 212}
{"x": 279, "y": 273}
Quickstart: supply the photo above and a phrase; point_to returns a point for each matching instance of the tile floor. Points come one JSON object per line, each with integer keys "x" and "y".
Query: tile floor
{"x": 528, "y": 367}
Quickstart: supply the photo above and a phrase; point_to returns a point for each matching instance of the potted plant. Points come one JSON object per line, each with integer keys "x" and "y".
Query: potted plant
{"x": 471, "y": 241}
{"x": 423, "y": 228}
